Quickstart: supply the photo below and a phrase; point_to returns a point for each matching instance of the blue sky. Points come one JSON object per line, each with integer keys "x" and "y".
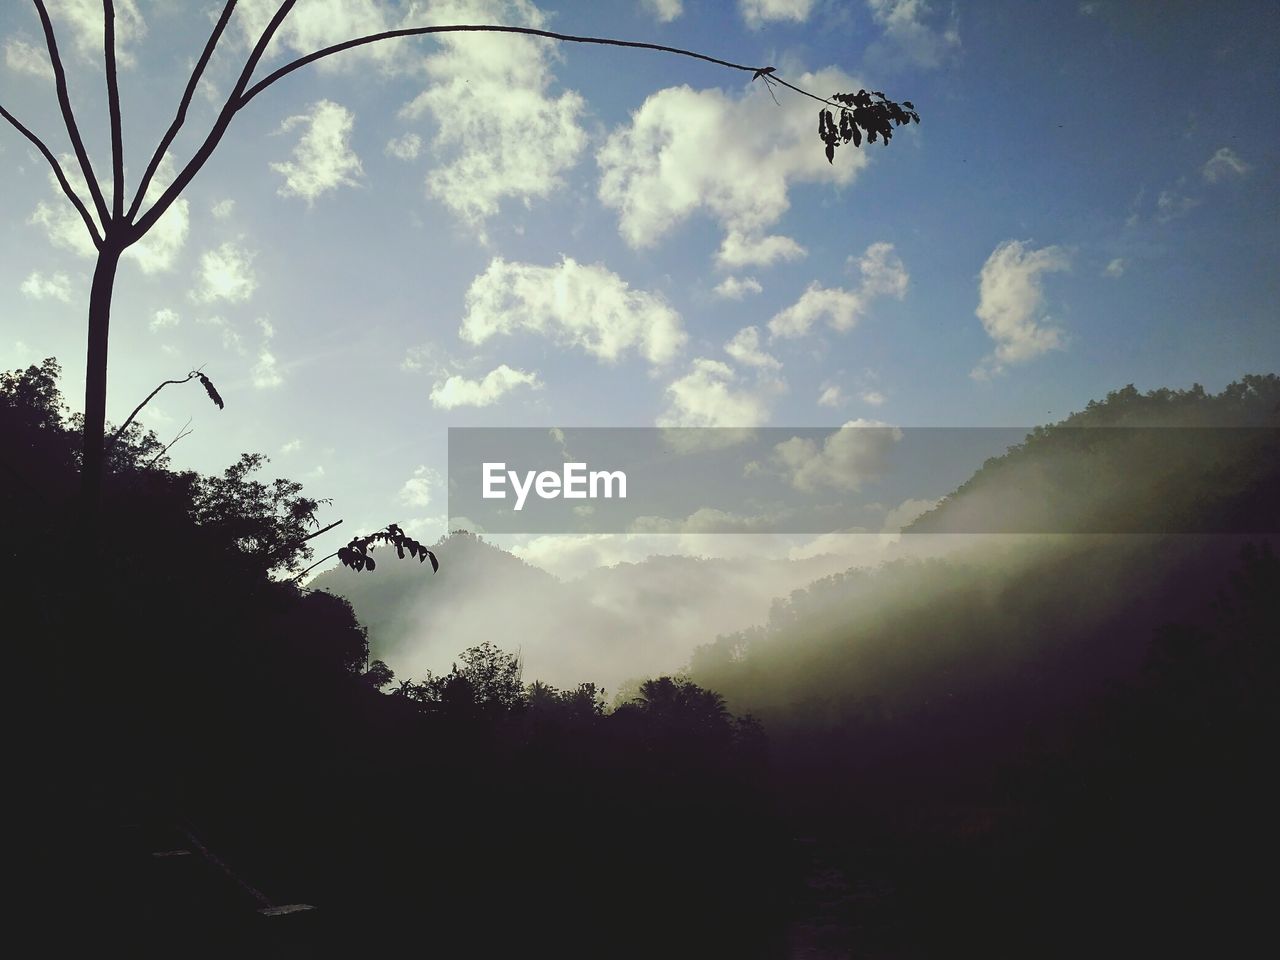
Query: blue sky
{"x": 498, "y": 231}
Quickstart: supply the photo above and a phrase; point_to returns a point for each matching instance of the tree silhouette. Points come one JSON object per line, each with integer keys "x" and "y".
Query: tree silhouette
{"x": 114, "y": 229}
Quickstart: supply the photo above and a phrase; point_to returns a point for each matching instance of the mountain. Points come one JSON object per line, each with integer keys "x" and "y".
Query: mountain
{"x": 613, "y": 625}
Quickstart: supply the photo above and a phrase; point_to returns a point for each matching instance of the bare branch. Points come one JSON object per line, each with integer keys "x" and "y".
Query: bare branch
{"x": 57, "y": 172}
{"x": 479, "y": 28}
{"x": 219, "y": 128}
{"x": 313, "y": 566}
{"x": 138, "y": 409}
{"x": 184, "y": 432}
{"x": 181, "y": 116}
{"x": 113, "y": 107}
{"x": 68, "y": 115}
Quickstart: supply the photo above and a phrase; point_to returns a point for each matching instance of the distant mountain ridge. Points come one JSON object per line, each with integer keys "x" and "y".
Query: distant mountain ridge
{"x": 1167, "y": 461}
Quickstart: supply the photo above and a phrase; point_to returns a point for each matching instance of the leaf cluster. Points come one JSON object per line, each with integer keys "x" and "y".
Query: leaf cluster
{"x": 862, "y": 111}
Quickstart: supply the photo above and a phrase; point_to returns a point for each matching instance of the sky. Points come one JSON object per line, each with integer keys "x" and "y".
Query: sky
{"x": 498, "y": 231}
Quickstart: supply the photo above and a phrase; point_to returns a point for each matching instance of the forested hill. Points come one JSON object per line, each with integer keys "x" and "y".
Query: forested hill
{"x": 1166, "y": 461}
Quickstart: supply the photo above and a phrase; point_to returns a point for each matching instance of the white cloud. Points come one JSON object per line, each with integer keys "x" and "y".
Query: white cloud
{"x": 883, "y": 275}
{"x": 223, "y": 209}
{"x": 905, "y": 512}
{"x": 844, "y": 460}
{"x": 906, "y": 26}
{"x": 738, "y": 250}
{"x": 1011, "y": 304}
{"x": 1225, "y": 165}
{"x": 226, "y": 273}
{"x": 459, "y": 391}
{"x": 504, "y": 134}
{"x": 406, "y": 147}
{"x": 315, "y": 24}
{"x": 293, "y": 446}
{"x": 874, "y": 397}
{"x": 735, "y": 288}
{"x": 23, "y": 57}
{"x": 155, "y": 252}
{"x": 323, "y": 159}
{"x": 758, "y": 12}
{"x": 1115, "y": 268}
{"x": 266, "y": 370}
{"x": 85, "y": 19}
{"x": 585, "y": 306}
{"x": 832, "y": 396}
{"x": 54, "y": 286}
{"x": 416, "y": 491}
{"x": 712, "y": 394}
{"x": 687, "y": 151}
{"x": 745, "y": 348}
{"x": 664, "y": 10}
{"x": 1170, "y": 205}
{"x": 162, "y": 318}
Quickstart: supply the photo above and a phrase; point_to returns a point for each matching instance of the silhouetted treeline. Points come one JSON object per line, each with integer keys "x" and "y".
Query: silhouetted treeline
{"x": 168, "y": 670}
{"x": 1048, "y": 745}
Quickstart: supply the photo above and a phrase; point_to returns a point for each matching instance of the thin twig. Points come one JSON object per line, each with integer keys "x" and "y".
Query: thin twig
{"x": 69, "y": 117}
{"x": 479, "y": 28}
{"x": 181, "y": 116}
{"x": 184, "y": 432}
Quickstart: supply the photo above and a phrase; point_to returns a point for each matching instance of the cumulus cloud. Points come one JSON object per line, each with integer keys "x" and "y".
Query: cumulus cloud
{"x": 759, "y": 12}
{"x": 54, "y": 286}
{"x": 503, "y": 133}
{"x": 155, "y": 252}
{"x": 1225, "y": 165}
{"x": 315, "y": 24}
{"x": 458, "y": 391}
{"x": 909, "y": 27}
{"x": 405, "y": 147}
{"x": 713, "y": 394}
{"x": 732, "y": 157}
{"x": 830, "y": 395}
{"x": 162, "y": 319}
{"x": 584, "y": 306}
{"x": 844, "y": 460}
{"x": 416, "y": 491}
{"x": 1115, "y": 268}
{"x": 735, "y": 288}
{"x": 883, "y": 275}
{"x": 23, "y": 57}
{"x": 323, "y": 159}
{"x": 873, "y": 397}
{"x": 223, "y": 209}
{"x": 745, "y": 348}
{"x": 664, "y": 10}
{"x": 225, "y": 273}
{"x": 1011, "y": 304}
{"x": 738, "y": 250}
{"x": 293, "y": 446}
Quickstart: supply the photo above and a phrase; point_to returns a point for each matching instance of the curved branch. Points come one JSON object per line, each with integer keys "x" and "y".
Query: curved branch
{"x": 288, "y": 68}
{"x": 181, "y": 116}
{"x": 113, "y": 107}
{"x": 219, "y": 128}
{"x": 138, "y": 409}
{"x": 68, "y": 115}
{"x": 57, "y": 172}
